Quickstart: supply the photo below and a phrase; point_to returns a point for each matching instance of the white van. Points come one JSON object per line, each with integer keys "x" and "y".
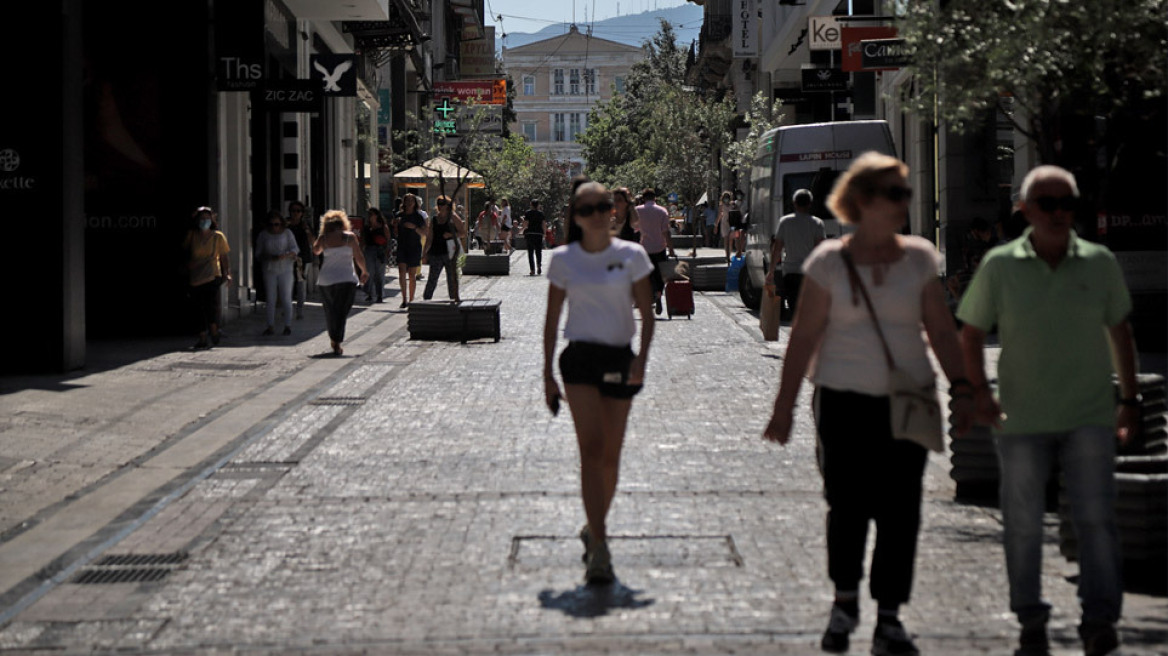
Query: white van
{"x": 795, "y": 157}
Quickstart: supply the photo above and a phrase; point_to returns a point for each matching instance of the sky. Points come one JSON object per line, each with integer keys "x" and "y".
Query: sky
{"x": 532, "y": 16}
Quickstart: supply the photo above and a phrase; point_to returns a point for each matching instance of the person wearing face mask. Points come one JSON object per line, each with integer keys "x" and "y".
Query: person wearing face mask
{"x": 208, "y": 268}
{"x": 276, "y": 250}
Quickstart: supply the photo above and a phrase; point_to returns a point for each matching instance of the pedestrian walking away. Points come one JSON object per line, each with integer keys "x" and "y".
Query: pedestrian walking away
{"x": 653, "y": 221}
{"x": 624, "y": 220}
{"x": 442, "y": 246}
{"x": 601, "y": 278}
{"x": 868, "y": 475}
{"x": 375, "y": 248}
{"x": 533, "y": 229}
{"x": 338, "y": 278}
{"x": 1062, "y": 314}
{"x": 304, "y": 268}
{"x": 411, "y": 230}
{"x": 795, "y": 237}
{"x": 277, "y": 251}
{"x": 208, "y": 268}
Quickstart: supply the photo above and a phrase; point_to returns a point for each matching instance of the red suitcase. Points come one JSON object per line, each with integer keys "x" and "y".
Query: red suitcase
{"x": 679, "y": 298}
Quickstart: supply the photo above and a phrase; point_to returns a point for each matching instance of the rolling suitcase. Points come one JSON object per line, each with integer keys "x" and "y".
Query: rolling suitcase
{"x": 679, "y": 298}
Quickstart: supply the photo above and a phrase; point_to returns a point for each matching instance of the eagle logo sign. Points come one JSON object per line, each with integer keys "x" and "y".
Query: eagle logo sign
{"x": 330, "y": 79}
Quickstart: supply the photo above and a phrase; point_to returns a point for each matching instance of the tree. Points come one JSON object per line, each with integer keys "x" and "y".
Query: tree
{"x": 1041, "y": 62}
{"x": 762, "y": 116}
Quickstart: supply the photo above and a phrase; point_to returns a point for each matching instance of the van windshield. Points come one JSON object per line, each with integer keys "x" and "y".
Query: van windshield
{"x": 819, "y": 182}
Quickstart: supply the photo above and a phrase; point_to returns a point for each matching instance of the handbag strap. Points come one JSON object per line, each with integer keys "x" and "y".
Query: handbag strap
{"x": 857, "y": 282}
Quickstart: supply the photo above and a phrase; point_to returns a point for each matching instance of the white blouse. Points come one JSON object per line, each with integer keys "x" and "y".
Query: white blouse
{"x": 850, "y": 357}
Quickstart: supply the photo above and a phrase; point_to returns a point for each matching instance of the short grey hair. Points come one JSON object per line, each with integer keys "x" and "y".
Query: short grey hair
{"x": 802, "y": 197}
{"x": 1044, "y": 173}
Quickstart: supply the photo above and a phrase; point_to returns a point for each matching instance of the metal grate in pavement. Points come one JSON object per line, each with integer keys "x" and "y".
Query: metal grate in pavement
{"x": 338, "y": 400}
{"x": 130, "y": 568}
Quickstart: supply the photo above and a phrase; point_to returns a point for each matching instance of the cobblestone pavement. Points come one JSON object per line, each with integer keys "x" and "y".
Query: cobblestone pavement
{"x": 421, "y": 500}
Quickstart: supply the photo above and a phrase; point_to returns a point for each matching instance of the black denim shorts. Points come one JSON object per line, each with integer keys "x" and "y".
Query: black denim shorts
{"x": 605, "y": 367}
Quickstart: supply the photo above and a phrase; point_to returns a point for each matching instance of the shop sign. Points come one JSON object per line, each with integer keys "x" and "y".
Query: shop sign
{"x": 239, "y": 45}
{"x": 853, "y": 37}
{"x": 483, "y": 92}
{"x": 824, "y": 79}
{"x": 825, "y": 33}
{"x": 336, "y": 74}
{"x": 744, "y": 26}
{"x": 303, "y": 96}
{"x": 477, "y": 57}
{"x": 883, "y": 54}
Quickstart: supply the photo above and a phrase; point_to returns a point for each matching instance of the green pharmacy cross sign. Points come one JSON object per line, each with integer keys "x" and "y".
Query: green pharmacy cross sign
{"x": 445, "y": 125}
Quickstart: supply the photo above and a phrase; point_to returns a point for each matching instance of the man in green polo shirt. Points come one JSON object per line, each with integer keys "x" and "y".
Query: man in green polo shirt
{"x": 1057, "y": 301}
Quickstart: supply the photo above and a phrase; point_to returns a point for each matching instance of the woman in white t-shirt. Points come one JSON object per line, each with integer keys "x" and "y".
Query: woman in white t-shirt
{"x": 869, "y": 475}
{"x": 601, "y": 278}
{"x": 505, "y": 224}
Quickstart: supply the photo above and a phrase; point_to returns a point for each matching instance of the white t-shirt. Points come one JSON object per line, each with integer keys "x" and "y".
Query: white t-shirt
{"x": 507, "y": 217}
{"x": 850, "y": 357}
{"x": 599, "y": 287}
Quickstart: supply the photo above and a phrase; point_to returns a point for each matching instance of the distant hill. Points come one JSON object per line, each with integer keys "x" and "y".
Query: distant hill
{"x": 631, "y": 29}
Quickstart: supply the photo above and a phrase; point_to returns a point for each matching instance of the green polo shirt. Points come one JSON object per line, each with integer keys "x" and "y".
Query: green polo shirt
{"x": 1054, "y": 373}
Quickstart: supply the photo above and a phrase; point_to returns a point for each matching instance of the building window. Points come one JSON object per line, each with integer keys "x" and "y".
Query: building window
{"x": 619, "y": 83}
{"x": 558, "y": 82}
{"x": 559, "y": 132}
{"x": 590, "y": 81}
{"x": 529, "y": 85}
{"x": 574, "y": 81}
{"x": 529, "y": 131}
{"x": 575, "y": 126}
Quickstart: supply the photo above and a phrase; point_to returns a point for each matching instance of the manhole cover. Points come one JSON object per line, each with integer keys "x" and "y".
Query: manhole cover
{"x": 660, "y": 551}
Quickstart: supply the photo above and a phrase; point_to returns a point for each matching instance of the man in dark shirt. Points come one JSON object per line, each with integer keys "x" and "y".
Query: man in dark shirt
{"x": 533, "y": 227}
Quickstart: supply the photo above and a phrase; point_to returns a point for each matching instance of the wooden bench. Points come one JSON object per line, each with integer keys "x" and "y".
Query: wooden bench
{"x": 487, "y": 265}
{"x": 446, "y": 321}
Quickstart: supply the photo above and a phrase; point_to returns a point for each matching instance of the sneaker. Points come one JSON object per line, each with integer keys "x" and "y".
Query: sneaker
{"x": 586, "y": 538}
{"x": 599, "y": 570}
{"x": 890, "y": 639}
{"x": 839, "y": 628}
{"x": 287, "y": 330}
{"x": 1099, "y": 638}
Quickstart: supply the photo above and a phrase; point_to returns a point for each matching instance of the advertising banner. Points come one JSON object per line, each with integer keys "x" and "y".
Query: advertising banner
{"x": 239, "y": 45}
{"x": 824, "y": 79}
{"x": 336, "y": 74}
{"x": 851, "y": 38}
{"x": 477, "y": 57}
{"x": 484, "y": 92}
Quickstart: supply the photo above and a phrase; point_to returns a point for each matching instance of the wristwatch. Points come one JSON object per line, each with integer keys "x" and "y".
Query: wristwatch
{"x": 1134, "y": 401}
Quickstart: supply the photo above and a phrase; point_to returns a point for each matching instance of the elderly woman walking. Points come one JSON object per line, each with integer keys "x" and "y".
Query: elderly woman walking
{"x": 869, "y": 475}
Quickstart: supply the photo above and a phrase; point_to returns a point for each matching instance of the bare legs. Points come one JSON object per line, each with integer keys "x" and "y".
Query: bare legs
{"x": 600, "y": 431}
{"x": 407, "y": 278}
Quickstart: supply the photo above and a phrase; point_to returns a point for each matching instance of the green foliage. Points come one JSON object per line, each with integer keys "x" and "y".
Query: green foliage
{"x": 658, "y": 134}
{"x": 1050, "y": 57}
{"x": 513, "y": 170}
{"x": 762, "y": 116}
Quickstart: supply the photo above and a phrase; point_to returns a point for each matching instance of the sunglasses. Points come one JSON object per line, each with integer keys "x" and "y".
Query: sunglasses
{"x": 1049, "y": 204}
{"x": 896, "y": 193}
{"x": 589, "y": 210}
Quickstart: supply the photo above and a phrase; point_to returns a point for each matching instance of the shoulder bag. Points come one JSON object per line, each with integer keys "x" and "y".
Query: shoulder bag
{"x": 916, "y": 408}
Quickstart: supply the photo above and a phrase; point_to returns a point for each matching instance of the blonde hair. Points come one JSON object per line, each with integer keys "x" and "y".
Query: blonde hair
{"x": 334, "y": 220}
{"x": 860, "y": 183}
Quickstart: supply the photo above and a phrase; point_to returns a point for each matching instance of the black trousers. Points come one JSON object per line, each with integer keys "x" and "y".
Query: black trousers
{"x": 869, "y": 476}
{"x": 534, "y": 251}
{"x": 655, "y": 275}
{"x": 337, "y": 301}
{"x": 205, "y": 305}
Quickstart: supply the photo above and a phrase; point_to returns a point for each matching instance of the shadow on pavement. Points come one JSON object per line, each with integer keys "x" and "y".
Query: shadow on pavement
{"x": 588, "y": 601}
